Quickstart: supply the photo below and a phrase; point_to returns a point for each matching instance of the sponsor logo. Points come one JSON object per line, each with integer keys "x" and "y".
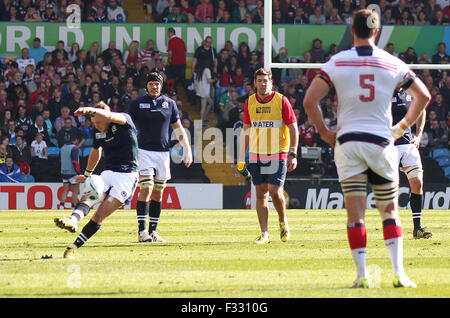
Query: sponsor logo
{"x": 165, "y": 105}
{"x": 263, "y": 124}
{"x": 114, "y": 129}
{"x": 143, "y": 106}
{"x": 263, "y": 110}
{"x": 100, "y": 135}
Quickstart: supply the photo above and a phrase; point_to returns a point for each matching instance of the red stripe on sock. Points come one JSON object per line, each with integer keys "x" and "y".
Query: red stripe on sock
{"x": 392, "y": 231}
{"x": 357, "y": 237}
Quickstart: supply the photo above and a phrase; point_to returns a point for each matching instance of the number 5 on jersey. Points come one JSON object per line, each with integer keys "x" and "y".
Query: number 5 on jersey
{"x": 366, "y": 81}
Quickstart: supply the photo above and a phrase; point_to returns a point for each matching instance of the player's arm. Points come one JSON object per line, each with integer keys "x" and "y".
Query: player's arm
{"x": 244, "y": 140}
{"x": 420, "y": 125}
{"x": 421, "y": 97}
{"x": 315, "y": 93}
{"x": 93, "y": 159}
{"x": 117, "y": 118}
{"x": 184, "y": 141}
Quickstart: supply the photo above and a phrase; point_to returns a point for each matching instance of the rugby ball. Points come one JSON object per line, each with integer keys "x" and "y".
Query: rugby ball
{"x": 94, "y": 188}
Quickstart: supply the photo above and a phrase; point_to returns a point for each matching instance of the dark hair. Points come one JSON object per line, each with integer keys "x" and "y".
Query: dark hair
{"x": 154, "y": 77}
{"x": 361, "y": 23}
{"x": 262, "y": 71}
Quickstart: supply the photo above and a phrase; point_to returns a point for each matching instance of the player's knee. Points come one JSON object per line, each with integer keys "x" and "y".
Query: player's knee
{"x": 276, "y": 193}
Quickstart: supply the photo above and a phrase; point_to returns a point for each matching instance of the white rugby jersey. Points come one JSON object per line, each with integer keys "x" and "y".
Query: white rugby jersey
{"x": 365, "y": 79}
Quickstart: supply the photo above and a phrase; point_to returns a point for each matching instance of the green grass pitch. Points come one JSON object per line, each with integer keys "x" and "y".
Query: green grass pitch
{"x": 212, "y": 254}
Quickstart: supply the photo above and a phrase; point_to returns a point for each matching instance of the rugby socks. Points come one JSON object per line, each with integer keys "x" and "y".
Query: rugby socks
{"x": 357, "y": 238}
{"x": 415, "y": 200}
{"x": 393, "y": 239}
{"x": 80, "y": 211}
{"x": 86, "y": 233}
{"x": 142, "y": 208}
{"x": 155, "y": 212}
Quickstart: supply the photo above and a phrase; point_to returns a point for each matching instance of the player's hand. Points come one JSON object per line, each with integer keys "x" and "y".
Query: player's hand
{"x": 82, "y": 111}
{"x": 329, "y": 137}
{"x": 416, "y": 141}
{"x": 80, "y": 178}
{"x": 291, "y": 163}
{"x": 187, "y": 158}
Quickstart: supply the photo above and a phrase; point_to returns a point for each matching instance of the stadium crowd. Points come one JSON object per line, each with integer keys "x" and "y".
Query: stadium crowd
{"x": 40, "y": 90}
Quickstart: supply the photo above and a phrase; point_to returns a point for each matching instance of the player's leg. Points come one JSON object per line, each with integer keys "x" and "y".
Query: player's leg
{"x": 66, "y": 187}
{"x": 355, "y": 192}
{"x": 155, "y": 209}
{"x": 412, "y": 167}
{"x": 106, "y": 208}
{"x": 276, "y": 182}
{"x": 386, "y": 199}
{"x": 146, "y": 174}
{"x": 262, "y": 210}
{"x": 75, "y": 193}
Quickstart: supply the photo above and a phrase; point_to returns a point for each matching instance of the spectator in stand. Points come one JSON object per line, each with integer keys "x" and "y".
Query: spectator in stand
{"x": 60, "y": 47}
{"x": 23, "y": 121}
{"x": 280, "y": 74}
{"x": 28, "y": 76}
{"x": 74, "y": 48}
{"x": 308, "y": 134}
{"x": 238, "y": 14}
{"x": 203, "y": 10}
{"x": 50, "y": 15}
{"x": 39, "y": 127}
{"x": 16, "y": 83}
{"x": 405, "y": 18}
{"x": 4, "y": 150}
{"x": 4, "y": 102}
{"x": 168, "y": 10}
{"x": 334, "y": 17}
{"x": 317, "y": 53}
{"x": 207, "y": 53}
{"x": 39, "y": 148}
{"x": 108, "y": 53}
{"x": 258, "y": 12}
{"x": 203, "y": 80}
{"x": 60, "y": 121}
{"x": 391, "y": 49}
{"x": 409, "y": 56}
{"x": 438, "y": 135}
{"x": 145, "y": 55}
{"x": 41, "y": 92}
{"x": 10, "y": 133}
{"x": 430, "y": 8}
{"x": 115, "y": 12}
{"x": 176, "y": 55}
{"x": 32, "y": 15}
{"x": 93, "y": 53}
{"x": 131, "y": 56}
{"x": 387, "y": 18}
{"x": 239, "y": 77}
{"x": 37, "y": 52}
{"x": 10, "y": 172}
{"x": 68, "y": 130}
{"x": 176, "y": 16}
{"x": 441, "y": 55}
{"x": 186, "y": 8}
{"x": 440, "y": 108}
{"x": 318, "y": 17}
{"x": 21, "y": 152}
{"x": 421, "y": 19}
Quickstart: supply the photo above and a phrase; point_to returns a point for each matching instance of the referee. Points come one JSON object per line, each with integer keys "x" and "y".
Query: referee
{"x": 154, "y": 114}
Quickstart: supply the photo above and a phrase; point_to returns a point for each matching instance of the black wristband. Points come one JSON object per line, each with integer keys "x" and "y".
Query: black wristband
{"x": 292, "y": 154}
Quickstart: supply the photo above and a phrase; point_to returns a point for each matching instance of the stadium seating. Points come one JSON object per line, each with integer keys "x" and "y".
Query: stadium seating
{"x": 86, "y": 151}
{"x": 447, "y": 172}
{"x": 53, "y": 151}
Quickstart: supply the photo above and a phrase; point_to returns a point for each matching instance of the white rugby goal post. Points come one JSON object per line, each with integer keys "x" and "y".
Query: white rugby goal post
{"x": 268, "y": 64}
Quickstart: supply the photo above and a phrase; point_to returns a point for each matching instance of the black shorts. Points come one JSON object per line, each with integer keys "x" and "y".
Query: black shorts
{"x": 271, "y": 172}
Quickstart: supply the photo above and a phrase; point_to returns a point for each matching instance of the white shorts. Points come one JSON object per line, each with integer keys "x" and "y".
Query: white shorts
{"x": 120, "y": 185}
{"x": 353, "y": 158}
{"x": 154, "y": 163}
{"x": 408, "y": 156}
{"x": 70, "y": 180}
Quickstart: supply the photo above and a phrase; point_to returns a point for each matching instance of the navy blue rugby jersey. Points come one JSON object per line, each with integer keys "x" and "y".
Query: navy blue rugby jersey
{"x": 400, "y": 105}
{"x": 153, "y": 118}
{"x": 119, "y": 144}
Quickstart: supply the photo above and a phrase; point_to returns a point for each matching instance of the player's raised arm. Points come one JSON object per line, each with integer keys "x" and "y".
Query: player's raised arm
{"x": 421, "y": 98}
{"x": 315, "y": 93}
{"x": 93, "y": 159}
{"x": 102, "y": 111}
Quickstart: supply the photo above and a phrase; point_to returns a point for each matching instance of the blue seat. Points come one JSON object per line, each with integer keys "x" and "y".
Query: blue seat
{"x": 441, "y": 153}
{"x": 447, "y": 172}
{"x": 443, "y": 162}
{"x": 27, "y": 178}
{"x": 86, "y": 151}
{"x": 53, "y": 151}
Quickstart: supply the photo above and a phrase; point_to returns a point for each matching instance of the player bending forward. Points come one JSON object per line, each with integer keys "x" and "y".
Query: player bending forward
{"x": 115, "y": 134}
{"x": 365, "y": 78}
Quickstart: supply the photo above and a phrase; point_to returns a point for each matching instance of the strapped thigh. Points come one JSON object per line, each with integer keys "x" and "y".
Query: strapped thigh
{"x": 160, "y": 184}
{"x": 354, "y": 187}
{"x": 413, "y": 172}
{"x": 146, "y": 182}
